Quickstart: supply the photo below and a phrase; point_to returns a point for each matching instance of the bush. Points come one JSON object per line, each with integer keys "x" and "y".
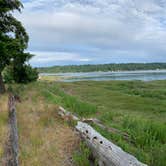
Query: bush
{"x": 8, "y": 74}
{"x": 31, "y": 73}
{"x": 20, "y": 74}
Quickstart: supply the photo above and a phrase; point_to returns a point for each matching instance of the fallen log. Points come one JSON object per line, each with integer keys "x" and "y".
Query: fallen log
{"x": 67, "y": 116}
{"x": 109, "y": 129}
{"x": 107, "y": 153}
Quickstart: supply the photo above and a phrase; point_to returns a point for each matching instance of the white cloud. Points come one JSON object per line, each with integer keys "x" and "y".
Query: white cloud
{"x": 42, "y": 58}
{"x": 90, "y": 27}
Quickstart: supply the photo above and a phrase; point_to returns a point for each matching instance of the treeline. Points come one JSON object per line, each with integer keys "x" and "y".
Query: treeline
{"x": 103, "y": 67}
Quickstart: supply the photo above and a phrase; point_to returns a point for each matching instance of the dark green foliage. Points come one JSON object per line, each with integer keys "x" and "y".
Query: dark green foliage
{"x": 8, "y": 5}
{"x": 8, "y": 74}
{"x": 32, "y": 73}
{"x": 20, "y": 74}
{"x": 13, "y": 42}
{"x": 103, "y": 67}
{"x": 13, "y": 37}
{"x": 24, "y": 74}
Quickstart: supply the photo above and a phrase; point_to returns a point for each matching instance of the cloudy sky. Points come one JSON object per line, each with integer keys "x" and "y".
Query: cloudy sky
{"x": 95, "y": 31}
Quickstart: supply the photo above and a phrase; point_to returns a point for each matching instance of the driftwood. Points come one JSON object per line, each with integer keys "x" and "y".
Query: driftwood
{"x": 109, "y": 129}
{"x": 107, "y": 153}
{"x": 12, "y": 145}
{"x": 67, "y": 116}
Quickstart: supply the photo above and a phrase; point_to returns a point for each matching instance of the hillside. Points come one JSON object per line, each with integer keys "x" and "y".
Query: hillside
{"x": 103, "y": 67}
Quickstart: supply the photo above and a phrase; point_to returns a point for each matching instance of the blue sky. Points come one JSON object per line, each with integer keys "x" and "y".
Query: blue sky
{"x": 66, "y": 32}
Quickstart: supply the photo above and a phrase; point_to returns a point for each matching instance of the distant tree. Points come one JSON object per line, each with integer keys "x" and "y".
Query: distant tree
{"x": 13, "y": 38}
{"x": 103, "y": 67}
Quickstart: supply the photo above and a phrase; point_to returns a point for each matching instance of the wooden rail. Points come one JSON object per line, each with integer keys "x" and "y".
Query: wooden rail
{"x": 12, "y": 147}
{"x": 107, "y": 153}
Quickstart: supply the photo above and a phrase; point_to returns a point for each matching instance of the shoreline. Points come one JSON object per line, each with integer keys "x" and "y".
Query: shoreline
{"x": 119, "y": 71}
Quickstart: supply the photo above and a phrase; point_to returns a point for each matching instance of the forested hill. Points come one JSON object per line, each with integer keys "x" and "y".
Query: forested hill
{"x": 103, "y": 67}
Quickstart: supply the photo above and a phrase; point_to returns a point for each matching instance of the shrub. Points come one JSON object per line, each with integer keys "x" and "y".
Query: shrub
{"x": 8, "y": 74}
{"x": 20, "y": 74}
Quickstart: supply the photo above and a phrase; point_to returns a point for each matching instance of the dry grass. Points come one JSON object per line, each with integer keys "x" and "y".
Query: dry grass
{"x": 44, "y": 139}
{"x": 3, "y": 124}
{"x": 50, "y": 78}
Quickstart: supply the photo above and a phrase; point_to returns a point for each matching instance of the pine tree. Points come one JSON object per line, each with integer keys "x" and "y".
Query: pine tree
{"x": 13, "y": 37}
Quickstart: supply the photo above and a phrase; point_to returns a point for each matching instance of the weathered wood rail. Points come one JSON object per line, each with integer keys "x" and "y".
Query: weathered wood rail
{"x": 12, "y": 148}
{"x": 107, "y": 153}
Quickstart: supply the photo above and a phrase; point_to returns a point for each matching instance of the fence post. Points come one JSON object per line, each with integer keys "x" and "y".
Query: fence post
{"x": 12, "y": 149}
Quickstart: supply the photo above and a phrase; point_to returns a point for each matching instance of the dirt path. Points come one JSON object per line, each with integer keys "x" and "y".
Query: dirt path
{"x": 44, "y": 139}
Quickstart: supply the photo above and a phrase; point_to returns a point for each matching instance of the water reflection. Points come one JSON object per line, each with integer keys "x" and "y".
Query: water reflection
{"x": 101, "y": 76}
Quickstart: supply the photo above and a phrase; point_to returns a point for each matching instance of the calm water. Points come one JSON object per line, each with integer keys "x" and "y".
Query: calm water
{"x": 101, "y": 76}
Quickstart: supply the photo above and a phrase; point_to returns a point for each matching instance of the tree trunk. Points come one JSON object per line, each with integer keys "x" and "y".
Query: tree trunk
{"x": 2, "y": 85}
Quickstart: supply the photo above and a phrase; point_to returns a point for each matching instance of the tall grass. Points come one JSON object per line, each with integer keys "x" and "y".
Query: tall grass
{"x": 56, "y": 95}
{"x": 148, "y": 136}
{"x": 148, "y": 140}
{"x": 79, "y": 107}
{"x": 44, "y": 138}
{"x": 134, "y": 107}
{"x": 81, "y": 156}
{"x": 145, "y": 133}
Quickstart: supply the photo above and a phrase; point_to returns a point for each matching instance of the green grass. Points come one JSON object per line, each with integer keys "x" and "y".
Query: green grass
{"x": 134, "y": 107}
{"x": 56, "y": 95}
{"x": 44, "y": 138}
{"x": 81, "y": 156}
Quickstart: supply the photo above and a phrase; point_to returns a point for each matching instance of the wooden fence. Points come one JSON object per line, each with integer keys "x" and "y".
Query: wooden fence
{"x": 12, "y": 144}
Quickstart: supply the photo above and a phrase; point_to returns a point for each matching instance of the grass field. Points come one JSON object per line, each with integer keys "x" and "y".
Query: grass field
{"x": 44, "y": 138}
{"x": 134, "y": 107}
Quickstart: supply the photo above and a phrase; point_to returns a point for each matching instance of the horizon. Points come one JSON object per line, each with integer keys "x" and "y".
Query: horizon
{"x": 101, "y": 64}
{"x": 98, "y": 64}
{"x": 73, "y": 32}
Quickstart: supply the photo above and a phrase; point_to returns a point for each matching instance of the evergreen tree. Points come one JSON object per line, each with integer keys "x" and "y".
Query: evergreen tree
{"x": 13, "y": 38}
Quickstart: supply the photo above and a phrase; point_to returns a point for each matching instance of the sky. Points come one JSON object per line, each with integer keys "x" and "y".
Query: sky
{"x": 65, "y": 32}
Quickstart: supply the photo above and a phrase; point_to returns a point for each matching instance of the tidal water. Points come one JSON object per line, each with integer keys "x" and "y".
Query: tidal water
{"x": 101, "y": 76}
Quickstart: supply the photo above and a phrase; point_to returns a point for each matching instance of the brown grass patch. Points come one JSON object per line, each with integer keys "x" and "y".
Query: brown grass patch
{"x": 44, "y": 139}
